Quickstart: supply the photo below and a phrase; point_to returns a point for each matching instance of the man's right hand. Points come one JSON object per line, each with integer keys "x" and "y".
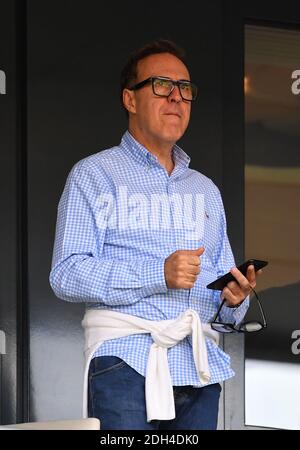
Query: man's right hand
{"x": 182, "y": 268}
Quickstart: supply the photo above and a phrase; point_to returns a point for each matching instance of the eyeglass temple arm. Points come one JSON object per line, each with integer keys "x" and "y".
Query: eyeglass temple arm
{"x": 218, "y": 312}
{"x": 139, "y": 85}
{"x": 260, "y": 307}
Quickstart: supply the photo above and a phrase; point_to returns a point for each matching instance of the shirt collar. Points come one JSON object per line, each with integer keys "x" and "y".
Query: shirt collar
{"x": 143, "y": 156}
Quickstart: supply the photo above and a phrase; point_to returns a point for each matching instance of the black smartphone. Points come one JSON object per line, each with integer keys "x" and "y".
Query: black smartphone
{"x": 221, "y": 282}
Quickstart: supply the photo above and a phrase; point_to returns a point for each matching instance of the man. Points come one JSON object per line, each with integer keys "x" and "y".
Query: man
{"x": 127, "y": 245}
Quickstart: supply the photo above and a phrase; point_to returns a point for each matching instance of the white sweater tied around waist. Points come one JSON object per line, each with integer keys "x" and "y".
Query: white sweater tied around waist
{"x": 101, "y": 325}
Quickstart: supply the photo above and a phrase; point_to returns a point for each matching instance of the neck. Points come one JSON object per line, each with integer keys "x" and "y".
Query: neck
{"x": 162, "y": 150}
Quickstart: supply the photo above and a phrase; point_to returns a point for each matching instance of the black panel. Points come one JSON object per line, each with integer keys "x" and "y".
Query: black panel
{"x": 22, "y": 217}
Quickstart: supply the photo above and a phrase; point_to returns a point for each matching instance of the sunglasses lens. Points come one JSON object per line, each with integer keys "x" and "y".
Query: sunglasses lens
{"x": 222, "y": 328}
{"x": 251, "y": 326}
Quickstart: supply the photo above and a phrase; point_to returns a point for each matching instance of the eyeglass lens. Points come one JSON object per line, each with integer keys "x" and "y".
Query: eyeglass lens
{"x": 251, "y": 326}
{"x": 164, "y": 88}
{"x": 221, "y": 327}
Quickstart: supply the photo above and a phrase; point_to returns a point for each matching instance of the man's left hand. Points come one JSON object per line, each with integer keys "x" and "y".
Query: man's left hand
{"x": 235, "y": 292}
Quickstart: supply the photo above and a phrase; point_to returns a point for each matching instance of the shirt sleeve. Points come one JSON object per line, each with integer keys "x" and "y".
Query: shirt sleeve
{"x": 80, "y": 272}
{"x": 223, "y": 262}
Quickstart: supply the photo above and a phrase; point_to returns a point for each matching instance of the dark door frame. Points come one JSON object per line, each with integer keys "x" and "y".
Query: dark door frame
{"x": 14, "y": 381}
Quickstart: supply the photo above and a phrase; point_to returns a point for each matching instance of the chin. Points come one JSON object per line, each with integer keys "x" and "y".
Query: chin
{"x": 173, "y": 137}
{"x": 172, "y": 134}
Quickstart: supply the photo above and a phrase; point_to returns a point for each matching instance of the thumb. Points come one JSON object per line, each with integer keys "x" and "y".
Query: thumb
{"x": 199, "y": 251}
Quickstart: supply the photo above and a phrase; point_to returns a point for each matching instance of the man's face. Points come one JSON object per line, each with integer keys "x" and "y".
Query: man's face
{"x": 160, "y": 119}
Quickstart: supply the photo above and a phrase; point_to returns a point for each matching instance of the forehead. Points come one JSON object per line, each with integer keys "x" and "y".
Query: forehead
{"x": 163, "y": 64}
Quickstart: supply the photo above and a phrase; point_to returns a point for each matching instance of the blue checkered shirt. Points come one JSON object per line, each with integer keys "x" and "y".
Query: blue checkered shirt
{"x": 113, "y": 261}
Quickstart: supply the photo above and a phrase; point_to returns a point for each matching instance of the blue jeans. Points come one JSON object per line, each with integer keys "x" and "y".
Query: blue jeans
{"x": 117, "y": 399}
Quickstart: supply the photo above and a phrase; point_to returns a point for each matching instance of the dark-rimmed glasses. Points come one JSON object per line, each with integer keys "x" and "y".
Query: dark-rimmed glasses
{"x": 248, "y": 327}
{"x": 163, "y": 87}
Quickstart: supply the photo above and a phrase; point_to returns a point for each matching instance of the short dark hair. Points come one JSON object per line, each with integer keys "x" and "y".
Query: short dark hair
{"x": 129, "y": 72}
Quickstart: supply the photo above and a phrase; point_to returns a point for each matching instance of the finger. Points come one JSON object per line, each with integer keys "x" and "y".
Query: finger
{"x": 251, "y": 274}
{"x": 234, "y": 287}
{"x": 198, "y": 252}
{"x": 231, "y": 299}
{"x": 194, "y": 270}
{"x": 229, "y": 292}
{"x": 190, "y": 277}
{"x": 243, "y": 281}
{"x": 226, "y": 293}
{"x": 237, "y": 291}
{"x": 194, "y": 261}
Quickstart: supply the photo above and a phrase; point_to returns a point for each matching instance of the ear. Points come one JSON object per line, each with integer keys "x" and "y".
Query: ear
{"x": 129, "y": 101}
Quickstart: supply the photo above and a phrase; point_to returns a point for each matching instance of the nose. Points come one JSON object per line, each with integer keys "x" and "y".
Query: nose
{"x": 175, "y": 95}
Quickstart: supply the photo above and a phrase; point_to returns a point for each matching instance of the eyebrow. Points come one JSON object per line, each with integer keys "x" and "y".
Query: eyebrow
{"x": 169, "y": 78}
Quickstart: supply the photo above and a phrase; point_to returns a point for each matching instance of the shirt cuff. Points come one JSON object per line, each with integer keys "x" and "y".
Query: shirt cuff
{"x": 154, "y": 277}
{"x": 240, "y": 312}
{"x": 235, "y": 315}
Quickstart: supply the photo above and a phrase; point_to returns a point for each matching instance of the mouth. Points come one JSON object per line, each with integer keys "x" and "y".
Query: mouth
{"x": 173, "y": 114}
